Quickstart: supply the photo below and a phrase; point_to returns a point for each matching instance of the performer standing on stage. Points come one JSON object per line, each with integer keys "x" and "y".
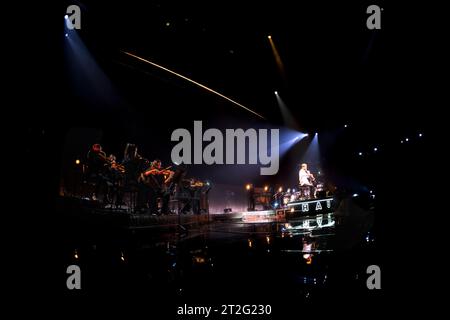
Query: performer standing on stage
{"x": 306, "y": 180}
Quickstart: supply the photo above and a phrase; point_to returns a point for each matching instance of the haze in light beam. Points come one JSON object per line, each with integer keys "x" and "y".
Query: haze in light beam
{"x": 288, "y": 118}
{"x": 277, "y": 57}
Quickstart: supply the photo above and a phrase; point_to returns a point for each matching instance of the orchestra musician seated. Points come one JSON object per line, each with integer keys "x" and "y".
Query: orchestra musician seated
{"x": 158, "y": 180}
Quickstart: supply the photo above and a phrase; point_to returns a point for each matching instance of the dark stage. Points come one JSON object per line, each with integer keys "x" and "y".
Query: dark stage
{"x": 182, "y": 157}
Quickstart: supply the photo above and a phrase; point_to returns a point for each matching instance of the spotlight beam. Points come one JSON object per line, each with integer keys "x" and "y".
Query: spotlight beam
{"x": 288, "y": 118}
{"x": 194, "y": 82}
{"x": 277, "y": 57}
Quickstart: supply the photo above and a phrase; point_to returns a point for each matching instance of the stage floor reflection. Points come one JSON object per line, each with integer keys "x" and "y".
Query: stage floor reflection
{"x": 225, "y": 261}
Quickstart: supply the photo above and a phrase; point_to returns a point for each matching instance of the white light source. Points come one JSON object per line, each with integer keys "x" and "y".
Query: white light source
{"x": 355, "y": 195}
{"x": 406, "y": 139}
{"x": 360, "y": 153}
{"x": 375, "y": 149}
{"x": 276, "y": 92}
{"x": 345, "y": 126}
{"x": 420, "y": 135}
{"x": 66, "y": 17}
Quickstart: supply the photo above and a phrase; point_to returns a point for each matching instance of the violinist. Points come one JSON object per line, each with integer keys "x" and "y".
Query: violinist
{"x": 158, "y": 179}
{"x": 163, "y": 175}
{"x": 114, "y": 165}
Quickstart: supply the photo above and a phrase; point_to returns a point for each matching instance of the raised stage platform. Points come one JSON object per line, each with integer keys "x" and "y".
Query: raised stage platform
{"x": 85, "y": 212}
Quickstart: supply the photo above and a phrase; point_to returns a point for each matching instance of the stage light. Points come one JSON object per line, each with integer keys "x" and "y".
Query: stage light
{"x": 276, "y": 92}
{"x": 280, "y": 189}
{"x": 77, "y": 161}
{"x": 355, "y": 195}
{"x": 420, "y": 135}
{"x": 250, "y": 243}
{"x": 292, "y": 209}
{"x": 401, "y": 141}
{"x": 293, "y": 190}
{"x": 315, "y": 133}
{"x": 66, "y": 35}
{"x": 371, "y": 191}
{"x": 406, "y": 139}
{"x": 375, "y": 149}
{"x": 360, "y": 153}
{"x": 66, "y": 17}
{"x": 345, "y": 126}
{"x": 275, "y": 204}
{"x": 269, "y": 37}
{"x": 266, "y": 188}
{"x": 248, "y": 186}
{"x": 268, "y": 239}
{"x": 318, "y": 173}
{"x": 288, "y": 190}
{"x": 76, "y": 254}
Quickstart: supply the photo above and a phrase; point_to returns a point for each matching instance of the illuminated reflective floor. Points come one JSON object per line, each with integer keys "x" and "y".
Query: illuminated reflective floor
{"x": 225, "y": 262}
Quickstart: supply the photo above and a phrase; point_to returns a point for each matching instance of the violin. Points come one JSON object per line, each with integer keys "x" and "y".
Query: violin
{"x": 148, "y": 177}
{"x": 118, "y": 167}
{"x": 197, "y": 183}
{"x": 112, "y": 163}
{"x": 155, "y": 171}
